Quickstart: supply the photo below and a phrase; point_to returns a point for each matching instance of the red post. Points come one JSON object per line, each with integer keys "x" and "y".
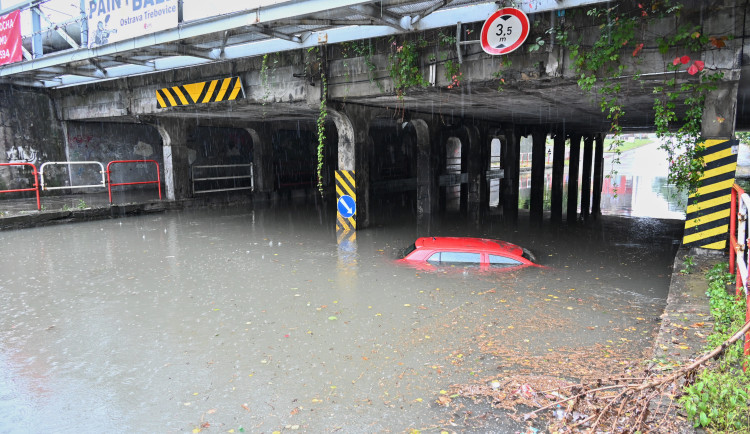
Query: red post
{"x": 157, "y": 182}
{"x": 36, "y": 183}
{"x": 733, "y": 229}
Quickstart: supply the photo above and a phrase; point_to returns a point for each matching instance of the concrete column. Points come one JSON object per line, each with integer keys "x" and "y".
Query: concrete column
{"x": 512, "y": 168}
{"x": 355, "y": 149}
{"x": 176, "y": 158}
{"x": 707, "y": 221}
{"x": 263, "y": 172}
{"x": 427, "y": 170}
{"x": 472, "y": 152}
{"x": 558, "y": 170}
{"x": 485, "y": 138}
{"x": 536, "y": 207}
{"x": 588, "y": 148}
{"x": 720, "y": 111}
{"x": 575, "y": 156}
{"x": 596, "y": 201}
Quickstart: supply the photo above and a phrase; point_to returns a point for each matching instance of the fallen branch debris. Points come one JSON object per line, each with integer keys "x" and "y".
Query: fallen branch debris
{"x": 623, "y": 404}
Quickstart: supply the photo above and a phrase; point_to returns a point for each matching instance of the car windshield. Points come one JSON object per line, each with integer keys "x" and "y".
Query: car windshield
{"x": 408, "y": 250}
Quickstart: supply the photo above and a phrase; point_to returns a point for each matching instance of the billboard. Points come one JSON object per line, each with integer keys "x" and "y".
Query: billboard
{"x": 10, "y": 38}
{"x": 117, "y": 20}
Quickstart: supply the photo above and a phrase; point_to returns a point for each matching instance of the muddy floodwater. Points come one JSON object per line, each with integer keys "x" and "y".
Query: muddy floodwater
{"x": 255, "y": 319}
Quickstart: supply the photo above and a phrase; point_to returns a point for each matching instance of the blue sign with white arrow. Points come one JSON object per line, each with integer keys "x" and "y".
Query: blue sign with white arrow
{"x": 346, "y": 206}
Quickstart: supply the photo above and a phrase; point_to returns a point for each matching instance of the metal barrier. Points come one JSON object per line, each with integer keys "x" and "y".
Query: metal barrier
{"x": 68, "y": 163}
{"x": 109, "y": 181}
{"x": 738, "y": 247}
{"x": 224, "y": 170}
{"x": 36, "y": 183}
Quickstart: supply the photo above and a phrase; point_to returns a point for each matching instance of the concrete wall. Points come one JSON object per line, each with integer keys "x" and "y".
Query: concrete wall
{"x": 29, "y": 133}
{"x": 108, "y": 141}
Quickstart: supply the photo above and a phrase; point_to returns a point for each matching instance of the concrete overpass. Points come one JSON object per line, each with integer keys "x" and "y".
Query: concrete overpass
{"x": 104, "y": 100}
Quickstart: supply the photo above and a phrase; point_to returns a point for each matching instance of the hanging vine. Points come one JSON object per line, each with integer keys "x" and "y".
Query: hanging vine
{"x": 321, "y": 121}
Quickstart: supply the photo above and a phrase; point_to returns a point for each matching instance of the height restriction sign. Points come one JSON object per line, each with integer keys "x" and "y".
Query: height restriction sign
{"x": 504, "y": 31}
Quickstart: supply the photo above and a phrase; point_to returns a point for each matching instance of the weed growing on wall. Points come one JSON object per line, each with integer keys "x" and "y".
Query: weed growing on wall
{"x": 404, "y": 65}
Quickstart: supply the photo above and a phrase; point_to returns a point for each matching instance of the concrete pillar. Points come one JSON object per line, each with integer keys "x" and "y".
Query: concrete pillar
{"x": 355, "y": 153}
{"x": 536, "y": 206}
{"x": 263, "y": 172}
{"x": 558, "y": 170}
{"x": 427, "y": 170}
{"x": 575, "y": 156}
{"x": 707, "y": 221}
{"x": 176, "y": 158}
{"x": 588, "y": 148}
{"x": 473, "y": 153}
{"x": 486, "y": 134}
{"x": 512, "y": 168}
{"x": 596, "y": 200}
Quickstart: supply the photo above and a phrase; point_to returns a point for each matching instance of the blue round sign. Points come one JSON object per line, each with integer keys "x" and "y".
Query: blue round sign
{"x": 346, "y": 206}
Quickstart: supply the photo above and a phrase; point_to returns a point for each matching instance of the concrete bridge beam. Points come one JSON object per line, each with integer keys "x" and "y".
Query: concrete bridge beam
{"x": 596, "y": 200}
{"x": 575, "y": 157}
{"x": 512, "y": 168}
{"x": 588, "y": 150}
{"x": 355, "y": 149}
{"x": 536, "y": 206}
{"x": 176, "y": 161}
{"x": 428, "y": 189}
{"x": 263, "y": 173}
{"x": 558, "y": 170}
{"x": 474, "y": 163}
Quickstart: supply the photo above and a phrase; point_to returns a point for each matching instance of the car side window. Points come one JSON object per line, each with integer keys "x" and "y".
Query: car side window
{"x": 502, "y": 261}
{"x": 455, "y": 258}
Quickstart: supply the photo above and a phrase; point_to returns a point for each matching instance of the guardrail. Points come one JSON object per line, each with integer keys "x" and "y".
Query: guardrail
{"x": 223, "y": 173}
{"x": 738, "y": 247}
{"x": 109, "y": 172}
{"x": 69, "y": 163}
{"x": 34, "y": 189}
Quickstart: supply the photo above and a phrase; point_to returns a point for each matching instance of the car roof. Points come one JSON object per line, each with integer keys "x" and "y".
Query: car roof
{"x": 484, "y": 244}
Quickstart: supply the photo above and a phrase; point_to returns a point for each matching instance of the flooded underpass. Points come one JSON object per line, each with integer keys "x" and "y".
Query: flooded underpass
{"x": 254, "y": 319}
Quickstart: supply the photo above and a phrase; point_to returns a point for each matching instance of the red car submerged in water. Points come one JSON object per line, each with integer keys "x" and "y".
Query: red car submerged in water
{"x": 485, "y": 254}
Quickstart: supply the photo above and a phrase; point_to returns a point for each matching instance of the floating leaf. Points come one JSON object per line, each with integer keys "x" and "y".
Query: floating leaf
{"x": 332, "y": 318}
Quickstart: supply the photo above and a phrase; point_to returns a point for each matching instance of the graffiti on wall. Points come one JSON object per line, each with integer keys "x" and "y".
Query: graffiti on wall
{"x": 143, "y": 149}
{"x": 23, "y": 154}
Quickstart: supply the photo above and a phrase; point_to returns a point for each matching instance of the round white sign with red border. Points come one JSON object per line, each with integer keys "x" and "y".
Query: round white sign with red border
{"x": 504, "y": 31}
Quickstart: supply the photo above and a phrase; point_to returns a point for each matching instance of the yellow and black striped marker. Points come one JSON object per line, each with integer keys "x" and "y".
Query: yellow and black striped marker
{"x": 226, "y": 89}
{"x": 346, "y": 201}
{"x": 707, "y": 217}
